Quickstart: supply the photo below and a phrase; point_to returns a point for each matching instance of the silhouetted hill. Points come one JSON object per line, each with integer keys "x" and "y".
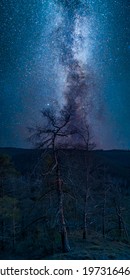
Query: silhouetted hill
{"x": 118, "y": 161}
{"x": 23, "y": 159}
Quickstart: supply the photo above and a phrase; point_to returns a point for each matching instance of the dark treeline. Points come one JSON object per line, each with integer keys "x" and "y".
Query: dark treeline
{"x": 93, "y": 201}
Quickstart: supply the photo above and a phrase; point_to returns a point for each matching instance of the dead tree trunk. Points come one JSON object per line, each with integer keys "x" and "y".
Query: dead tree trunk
{"x": 103, "y": 220}
{"x": 63, "y": 229}
{"x": 2, "y": 222}
{"x": 85, "y": 206}
{"x": 104, "y": 203}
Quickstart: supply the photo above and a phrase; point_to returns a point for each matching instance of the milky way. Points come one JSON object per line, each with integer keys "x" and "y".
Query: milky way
{"x": 43, "y": 44}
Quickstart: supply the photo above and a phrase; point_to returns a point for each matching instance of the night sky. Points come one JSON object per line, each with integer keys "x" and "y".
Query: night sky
{"x": 40, "y": 41}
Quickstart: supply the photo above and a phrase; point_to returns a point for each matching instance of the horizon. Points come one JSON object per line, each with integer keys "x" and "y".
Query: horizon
{"x": 40, "y": 149}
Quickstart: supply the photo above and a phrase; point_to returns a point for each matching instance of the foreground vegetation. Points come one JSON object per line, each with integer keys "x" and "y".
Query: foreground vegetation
{"x": 96, "y": 215}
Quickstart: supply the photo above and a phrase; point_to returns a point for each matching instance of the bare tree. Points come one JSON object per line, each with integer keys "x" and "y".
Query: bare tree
{"x": 88, "y": 145}
{"x": 120, "y": 207}
{"x": 52, "y": 134}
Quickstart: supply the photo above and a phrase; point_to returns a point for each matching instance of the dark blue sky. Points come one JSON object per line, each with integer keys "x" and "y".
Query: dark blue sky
{"x": 38, "y": 39}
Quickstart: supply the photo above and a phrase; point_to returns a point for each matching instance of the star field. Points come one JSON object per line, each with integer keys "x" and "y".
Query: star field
{"x": 40, "y": 40}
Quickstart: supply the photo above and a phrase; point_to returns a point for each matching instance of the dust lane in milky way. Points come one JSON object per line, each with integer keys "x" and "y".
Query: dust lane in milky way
{"x": 44, "y": 44}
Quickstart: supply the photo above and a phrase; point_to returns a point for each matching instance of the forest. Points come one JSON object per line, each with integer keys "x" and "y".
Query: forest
{"x": 64, "y": 203}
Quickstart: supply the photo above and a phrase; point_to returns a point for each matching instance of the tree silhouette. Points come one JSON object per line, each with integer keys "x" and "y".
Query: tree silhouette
{"x": 52, "y": 133}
